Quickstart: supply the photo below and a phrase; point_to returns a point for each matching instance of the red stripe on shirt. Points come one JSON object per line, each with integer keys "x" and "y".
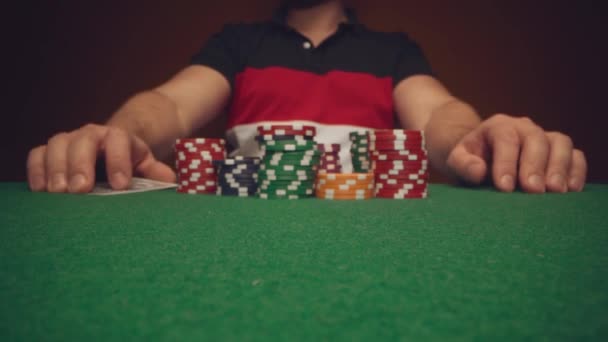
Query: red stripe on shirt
{"x": 338, "y": 98}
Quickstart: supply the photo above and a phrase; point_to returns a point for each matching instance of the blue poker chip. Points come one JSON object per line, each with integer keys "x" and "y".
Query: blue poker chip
{"x": 238, "y": 176}
{"x": 242, "y": 184}
{"x": 238, "y": 160}
{"x": 233, "y": 192}
{"x": 244, "y": 166}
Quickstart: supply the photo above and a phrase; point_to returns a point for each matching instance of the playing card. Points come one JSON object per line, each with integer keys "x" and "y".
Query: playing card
{"x": 137, "y": 185}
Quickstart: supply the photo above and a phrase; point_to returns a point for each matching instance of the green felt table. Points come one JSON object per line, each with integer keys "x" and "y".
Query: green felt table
{"x": 465, "y": 264}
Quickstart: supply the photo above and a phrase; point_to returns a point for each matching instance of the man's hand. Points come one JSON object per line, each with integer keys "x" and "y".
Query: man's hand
{"x": 515, "y": 151}
{"x": 67, "y": 162}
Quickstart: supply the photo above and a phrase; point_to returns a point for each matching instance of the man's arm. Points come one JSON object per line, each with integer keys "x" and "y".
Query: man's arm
{"x": 143, "y": 129}
{"x": 175, "y": 109}
{"x": 422, "y": 103}
{"x": 512, "y": 150}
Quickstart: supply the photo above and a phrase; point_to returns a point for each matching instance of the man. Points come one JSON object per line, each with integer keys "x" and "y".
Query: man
{"x": 312, "y": 63}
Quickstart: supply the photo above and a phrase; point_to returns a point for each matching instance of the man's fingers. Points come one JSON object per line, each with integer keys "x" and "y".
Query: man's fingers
{"x": 578, "y": 171}
{"x": 147, "y": 166}
{"x": 56, "y": 163}
{"x": 36, "y": 174}
{"x": 533, "y": 159}
{"x": 467, "y": 166}
{"x": 506, "y": 146}
{"x": 153, "y": 169}
{"x": 82, "y": 155}
{"x": 560, "y": 159}
{"x": 119, "y": 164}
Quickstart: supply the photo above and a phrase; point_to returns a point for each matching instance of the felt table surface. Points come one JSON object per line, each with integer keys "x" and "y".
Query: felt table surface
{"x": 464, "y": 264}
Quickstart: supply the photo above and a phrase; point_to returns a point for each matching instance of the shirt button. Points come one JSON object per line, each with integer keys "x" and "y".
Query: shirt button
{"x": 307, "y": 45}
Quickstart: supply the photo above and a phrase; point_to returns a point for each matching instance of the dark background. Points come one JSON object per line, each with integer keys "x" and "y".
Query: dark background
{"x": 70, "y": 62}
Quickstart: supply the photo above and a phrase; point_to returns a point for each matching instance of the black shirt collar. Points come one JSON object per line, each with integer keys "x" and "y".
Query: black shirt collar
{"x": 280, "y": 19}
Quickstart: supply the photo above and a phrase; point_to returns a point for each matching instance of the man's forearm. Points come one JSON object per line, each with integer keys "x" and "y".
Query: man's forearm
{"x": 153, "y": 117}
{"x": 447, "y": 126}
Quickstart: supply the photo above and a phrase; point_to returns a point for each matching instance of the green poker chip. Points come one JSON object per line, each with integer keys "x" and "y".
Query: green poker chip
{"x": 290, "y": 145}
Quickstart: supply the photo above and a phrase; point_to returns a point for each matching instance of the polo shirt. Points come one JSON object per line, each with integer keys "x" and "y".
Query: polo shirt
{"x": 277, "y": 76}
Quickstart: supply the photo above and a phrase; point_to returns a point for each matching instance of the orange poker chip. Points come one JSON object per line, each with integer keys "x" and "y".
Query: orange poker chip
{"x": 347, "y": 176}
{"x": 365, "y": 196}
{"x": 347, "y": 184}
{"x": 345, "y": 187}
{"x": 330, "y": 195}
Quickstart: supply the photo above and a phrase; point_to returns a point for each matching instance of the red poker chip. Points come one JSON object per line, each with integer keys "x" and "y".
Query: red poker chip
{"x": 327, "y": 162}
{"x": 402, "y": 181}
{"x": 200, "y": 141}
{"x": 202, "y": 186}
{"x": 186, "y": 170}
{"x": 394, "y": 146}
{"x": 395, "y": 136}
{"x": 196, "y": 177}
{"x": 400, "y": 136}
{"x": 201, "y": 151}
{"x": 383, "y": 177}
{"x": 407, "y": 132}
{"x": 402, "y": 175}
{"x": 309, "y": 131}
{"x": 404, "y": 161}
{"x": 330, "y": 159}
{"x": 415, "y": 180}
{"x": 420, "y": 156}
{"x": 399, "y": 170}
{"x": 398, "y": 153}
{"x": 193, "y": 167}
{"x": 194, "y": 147}
{"x": 393, "y": 192}
{"x": 205, "y": 159}
{"x": 401, "y": 195}
{"x": 198, "y": 185}
{"x": 396, "y": 191}
{"x": 401, "y": 187}
{"x": 194, "y": 191}
{"x": 396, "y": 162}
{"x": 323, "y": 171}
{"x": 408, "y": 196}
{"x": 400, "y": 161}
{"x": 329, "y": 148}
{"x": 398, "y": 167}
{"x": 202, "y": 156}
{"x": 331, "y": 169}
{"x": 396, "y": 140}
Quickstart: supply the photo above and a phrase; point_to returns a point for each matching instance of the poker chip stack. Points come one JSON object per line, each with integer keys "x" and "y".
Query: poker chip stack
{"x": 330, "y": 158}
{"x": 194, "y": 164}
{"x": 359, "y": 151}
{"x": 400, "y": 163}
{"x": 238, "y": 176}
{"x": 289, "y": 163}
{"x": 345, "y": 186}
